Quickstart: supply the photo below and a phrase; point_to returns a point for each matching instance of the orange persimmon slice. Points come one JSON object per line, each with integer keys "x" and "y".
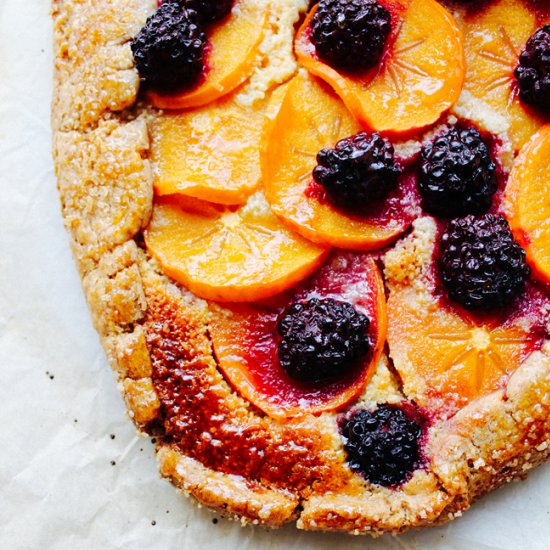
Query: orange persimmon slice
{"x": 446, "y": 358}
{"x": 271, "y": 112}
{"x": 224, "y": 254}
{"x": 210, "y": 153}
{"x": 493, "y": 39}
{"x": 245, "y": 340}
{"x": 528, "y": 197}
{"x": 420, "y": 77}
{"x": 232, "y": 51}
{"x": 309, "y": 118}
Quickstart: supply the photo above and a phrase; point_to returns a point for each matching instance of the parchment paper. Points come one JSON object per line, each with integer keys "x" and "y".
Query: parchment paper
{"x": 73, "y": 474}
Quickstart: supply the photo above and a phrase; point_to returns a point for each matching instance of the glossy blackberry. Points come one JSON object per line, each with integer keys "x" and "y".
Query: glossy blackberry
{"x": 209, "y": 11}
{"x": 481, "y": 265}
{"x": 383, "y": 445}
{"x": 358, "y": 171}
{"x": 321, "y": 339}
{"x": 350, "y": 34}
{"x": 169, "y": 49}
{"x": 457, "y": 176}
{"x": 533, "y": 71}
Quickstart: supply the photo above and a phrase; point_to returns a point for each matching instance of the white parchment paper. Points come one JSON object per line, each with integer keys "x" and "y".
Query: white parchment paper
{"x": 73, "y": 474}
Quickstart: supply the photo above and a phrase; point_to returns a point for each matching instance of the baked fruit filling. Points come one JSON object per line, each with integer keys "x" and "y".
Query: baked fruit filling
{"x": 359, "y": 170}
{"x": 229, "y": 254}
{"x": 457, "y": 174}
{"x": 533, "y": 70}
{"x": 480, "y": 264}
{"x": 309, "y": 350}
{"x": 311, "y": 120}
{"x": 169, "y": 49}
{"x": 210, "y": 153}
{"x": 418, "y": 77}
{"x": 528, "y": 207}
{"x": 209, "y": 11}
{"x": 384, "y": 444}
{"x": 231, "y": 48}
{"x": 494, "y": 39}
{"x": 350, "y": 35}
{"x": 367, "y": 209}
{"x": 469, "y": 320}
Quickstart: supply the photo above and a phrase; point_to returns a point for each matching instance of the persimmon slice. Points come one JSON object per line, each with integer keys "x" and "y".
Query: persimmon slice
{"x": 210, "y": 153}
{"x": 493, "y": 39}
{"x": 232, "y": 51}
{"x": 271, "y": 112}
{"x": 446, "y": 358}
{"x": 311, "y": 117}
{"x": 223, "y": 254}
{"x": 420, "y": 77}
{"x": 528, "y": 197}
{"x": 245, "y": 340}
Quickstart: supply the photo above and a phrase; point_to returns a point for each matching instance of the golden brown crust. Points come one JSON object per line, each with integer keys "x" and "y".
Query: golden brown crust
{"x": 498, "y": 437}
{"x": 93, "y": 63}
{"x": 151, "y": 328}
{"x": 105, "y": 185}
{"x": 230, "y": 496}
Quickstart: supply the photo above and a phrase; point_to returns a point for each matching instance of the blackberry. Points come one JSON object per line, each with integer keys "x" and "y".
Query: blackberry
{"x": 350, "y": 34}
{"x": 359, "y": 170}
{"x": 321, "y": 338}
{"x": 208, "y": 11}
{"x": 457, "y": 176}
{"x": 383, "y": 445}
{"x": 533, "y": 71}
{"x": 169, "y": 49}
{"x": 481, "y": 265}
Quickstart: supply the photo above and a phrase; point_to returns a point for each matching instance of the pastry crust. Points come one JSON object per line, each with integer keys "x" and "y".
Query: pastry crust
{"x": 257, "y": 470}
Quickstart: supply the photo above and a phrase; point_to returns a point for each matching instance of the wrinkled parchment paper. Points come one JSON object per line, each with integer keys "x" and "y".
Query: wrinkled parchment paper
{"x": 73, "y": 474}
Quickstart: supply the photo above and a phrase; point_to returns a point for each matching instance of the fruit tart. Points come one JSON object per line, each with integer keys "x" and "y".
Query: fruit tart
{"x": 315, "y": 242}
